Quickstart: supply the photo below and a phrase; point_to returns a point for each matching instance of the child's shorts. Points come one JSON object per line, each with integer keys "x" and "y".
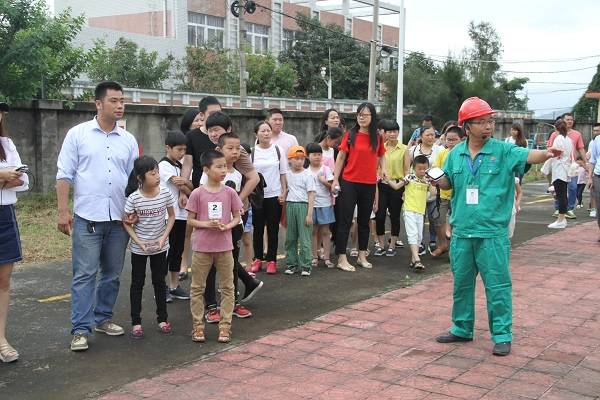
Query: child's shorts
{"x": 413, "y": 225}
{"x": 323, "y": 215}
{"x": 248, "y": 226}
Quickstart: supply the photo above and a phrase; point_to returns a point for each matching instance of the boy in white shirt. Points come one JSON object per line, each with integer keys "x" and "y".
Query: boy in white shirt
{"x": 300, "y": 201}
{"x": 170, "y": 177}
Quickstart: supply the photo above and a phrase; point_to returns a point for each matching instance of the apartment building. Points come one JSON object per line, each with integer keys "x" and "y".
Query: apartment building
{"x": 169, "y": 26}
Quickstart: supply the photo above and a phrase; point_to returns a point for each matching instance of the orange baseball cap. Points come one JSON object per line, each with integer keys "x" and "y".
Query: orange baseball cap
{"x": 296, "y": 151}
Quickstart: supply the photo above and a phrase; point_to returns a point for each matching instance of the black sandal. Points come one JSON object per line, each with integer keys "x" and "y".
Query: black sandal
{"x": 419, "y": 266}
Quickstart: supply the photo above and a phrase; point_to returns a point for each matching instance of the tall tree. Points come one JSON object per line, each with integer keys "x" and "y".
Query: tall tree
{"x": 587, "y": 108}
{"x": 128, "y": 64}
{"x": 268, "y": 77}
{"x": 349, "y": 60}
{"x": 37, "y": 57}
{"x": 208, "y": 69}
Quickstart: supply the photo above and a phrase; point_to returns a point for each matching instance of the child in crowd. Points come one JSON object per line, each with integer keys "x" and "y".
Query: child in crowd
{"x": 415, "y": 201}
{"x": 323, "y": 213}
{"x": 213, "y": 211}
{"x": 452, "y": 136}
{"x": 247, "y": 235}
{"x": 389, "y": 199}
{"x": 149, "y": 239}
{"x": 329, "y": 144}
{"x": 300, "y": 201}
{"x": 582, "y": 179}
{"x": 170, "y": 177}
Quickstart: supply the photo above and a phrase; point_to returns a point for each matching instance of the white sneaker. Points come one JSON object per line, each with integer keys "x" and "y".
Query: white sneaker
{"x": 110, "y": 328}
{"x": 79, "y": 343}
{"x": 558, "y": 224}
{"x": 593, "y": 213}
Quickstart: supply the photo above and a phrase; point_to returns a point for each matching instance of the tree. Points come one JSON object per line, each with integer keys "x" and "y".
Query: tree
{"x": 128, "y": 64}
{"x": 310, "y": 52}
{"x": 37, "y": 58}
{"x": 586, "y": 108}
{"x": 269, "y": 78}
{"x": 208, "y": 69}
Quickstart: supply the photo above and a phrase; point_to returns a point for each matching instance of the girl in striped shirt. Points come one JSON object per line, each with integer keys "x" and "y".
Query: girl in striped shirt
{"x": 149, "y": 239}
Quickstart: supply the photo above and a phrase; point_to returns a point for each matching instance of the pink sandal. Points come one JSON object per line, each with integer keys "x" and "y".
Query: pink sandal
{"x": 165, "y": 328}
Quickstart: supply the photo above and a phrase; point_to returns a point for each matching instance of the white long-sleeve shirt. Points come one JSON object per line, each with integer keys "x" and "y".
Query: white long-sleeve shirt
{"x": 13, "y": 160}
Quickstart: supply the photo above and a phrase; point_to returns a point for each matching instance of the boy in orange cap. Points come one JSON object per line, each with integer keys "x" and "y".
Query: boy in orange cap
{"x": 300, "y": 202}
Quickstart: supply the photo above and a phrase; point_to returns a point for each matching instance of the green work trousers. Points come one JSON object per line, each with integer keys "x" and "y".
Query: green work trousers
{"x": 490, "y": 258}
{"x": 298, "y": 241}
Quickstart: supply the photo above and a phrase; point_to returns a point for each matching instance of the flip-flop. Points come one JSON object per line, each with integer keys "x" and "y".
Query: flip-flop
{"x": 365, "y": 264}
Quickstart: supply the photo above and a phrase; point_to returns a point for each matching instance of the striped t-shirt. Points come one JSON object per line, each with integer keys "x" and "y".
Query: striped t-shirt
{"x": 151, "y": 212}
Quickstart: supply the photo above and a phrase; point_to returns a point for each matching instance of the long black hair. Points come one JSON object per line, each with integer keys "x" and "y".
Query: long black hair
{"x": 373, "y": 133}
{"x": 188, "y": 119}
{"x": 141, "y": 165}
{"x": 324, "y": 127}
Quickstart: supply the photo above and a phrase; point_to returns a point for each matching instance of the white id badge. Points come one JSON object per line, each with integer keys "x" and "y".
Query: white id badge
{"x": 215, "y": 210}
{"x": 472, "y": 195}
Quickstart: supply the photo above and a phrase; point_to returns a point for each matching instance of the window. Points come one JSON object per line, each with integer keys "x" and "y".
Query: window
{"x": 205, "y": 29}
{"x": 288, "y": 39}
{"x": 258, "y": 38}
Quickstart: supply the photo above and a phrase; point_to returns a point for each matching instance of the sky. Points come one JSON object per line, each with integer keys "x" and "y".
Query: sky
{"x": 529, "y": 30}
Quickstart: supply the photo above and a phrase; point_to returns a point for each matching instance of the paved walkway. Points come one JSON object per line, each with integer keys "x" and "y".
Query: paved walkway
{"x": 383, "y": 348}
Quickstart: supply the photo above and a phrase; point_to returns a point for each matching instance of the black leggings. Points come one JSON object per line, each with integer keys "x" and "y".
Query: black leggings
{"x": 158, "y": 268}
{"x": 560, "y": 189}
{"x": 354, "y": 194}
{"x": 580, "y": 189}
{"x": 389, "y": 199}
{"x": 269, "y": 215}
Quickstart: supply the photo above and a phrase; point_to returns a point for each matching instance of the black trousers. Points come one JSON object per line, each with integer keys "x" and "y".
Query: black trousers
{"x": 389, "y": 199}
{"x": 580, "y": 189}
{"x": 210, "y": 295}
{"x": 560, "y": 189}
{"x": 158, "y": 269}
{"x": 176, "y": 242}
{"x": 352, "y": 195}
{"x": 269, "y": 216}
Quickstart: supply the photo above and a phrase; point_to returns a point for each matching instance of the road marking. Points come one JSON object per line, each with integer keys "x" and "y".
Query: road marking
{"x": 540, "y": 201}
{"x": 52, "y": 299}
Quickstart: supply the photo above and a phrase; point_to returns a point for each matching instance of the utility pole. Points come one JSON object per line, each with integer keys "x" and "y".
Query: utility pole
{"x": 242, "y": 43}
{"x": 400, "y": 85}
{"x": 373, "y": 57}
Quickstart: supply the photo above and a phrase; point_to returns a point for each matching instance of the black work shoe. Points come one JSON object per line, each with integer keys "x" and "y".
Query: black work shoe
{"x": 450, "y": 338}
{"x": 501, "y": 349}
{"x": 251, "y": 291}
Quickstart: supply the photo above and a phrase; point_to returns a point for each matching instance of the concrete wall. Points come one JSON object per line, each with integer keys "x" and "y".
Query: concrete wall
{"x": 38, "y": 129}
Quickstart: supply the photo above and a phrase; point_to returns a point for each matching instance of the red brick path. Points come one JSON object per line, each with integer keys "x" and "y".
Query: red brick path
{"x": 383, "y": 348}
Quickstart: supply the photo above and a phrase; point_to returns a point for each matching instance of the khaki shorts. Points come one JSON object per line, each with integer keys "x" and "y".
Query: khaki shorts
{"x": 443, "y": 214}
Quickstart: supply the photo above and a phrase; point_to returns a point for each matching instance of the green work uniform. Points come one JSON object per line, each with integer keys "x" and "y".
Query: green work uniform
{"x": 482, "y": 202}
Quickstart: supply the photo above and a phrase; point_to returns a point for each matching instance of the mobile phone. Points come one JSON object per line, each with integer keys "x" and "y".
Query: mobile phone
{"x": 23, "y": 168}
{"x": 435, "y": 173}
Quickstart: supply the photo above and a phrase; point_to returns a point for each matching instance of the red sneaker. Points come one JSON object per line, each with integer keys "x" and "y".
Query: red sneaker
{"x": 256, "y": 266}
{"x": 241, "y": 311}
{"x": 271, "y": 267}
{"x": 212, "y": 316}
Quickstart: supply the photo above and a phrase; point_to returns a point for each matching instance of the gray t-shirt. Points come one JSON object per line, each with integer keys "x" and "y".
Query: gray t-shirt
{"x": 299, "y": 184}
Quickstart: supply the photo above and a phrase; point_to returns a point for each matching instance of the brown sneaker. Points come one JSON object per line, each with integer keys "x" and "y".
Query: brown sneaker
{"x": 198, "y": 335}
{"x": 224, "y": 336}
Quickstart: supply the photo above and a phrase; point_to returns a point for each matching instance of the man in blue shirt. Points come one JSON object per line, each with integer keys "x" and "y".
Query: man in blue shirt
{"x": 427, "y": 122}
{"x": 594, "y": 170}
{"x": 95, "y": 159}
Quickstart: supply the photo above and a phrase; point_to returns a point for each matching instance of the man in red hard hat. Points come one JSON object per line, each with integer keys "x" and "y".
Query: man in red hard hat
{"x": 481, "y": 171}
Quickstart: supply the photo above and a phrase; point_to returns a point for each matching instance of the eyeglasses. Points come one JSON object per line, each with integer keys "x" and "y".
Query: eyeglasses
{"x": 364, "y": 115}
{"x": 484, "y": 122}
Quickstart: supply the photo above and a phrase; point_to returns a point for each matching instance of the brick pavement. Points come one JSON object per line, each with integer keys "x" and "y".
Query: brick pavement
{"x": 383, "y": 347}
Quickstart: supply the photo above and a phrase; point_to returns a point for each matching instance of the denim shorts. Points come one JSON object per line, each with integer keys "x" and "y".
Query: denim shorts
{"x": 10, "y": 242}
{"x": 248, "y": 224}
{"x": 323, "y": 215}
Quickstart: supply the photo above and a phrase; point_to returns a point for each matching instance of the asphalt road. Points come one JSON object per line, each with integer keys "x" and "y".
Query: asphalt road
{"x": 39, "y": 324}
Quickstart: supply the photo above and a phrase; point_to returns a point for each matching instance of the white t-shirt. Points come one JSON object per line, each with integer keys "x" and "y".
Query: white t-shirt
{"x": 266, "y": 162}
{"x": 167, "y": 171}
{"x": 562, "y": 164}
{"x": 151, "y": 212}
{"x": 323, "y": 196}
{"x": 510, "y": 140}
{"x": 233, "y": 176}
{"x": 284, "y": 141}
{"x": 299, "y": 184}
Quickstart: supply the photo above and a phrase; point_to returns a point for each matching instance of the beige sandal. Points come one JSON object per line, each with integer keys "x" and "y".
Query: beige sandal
{"x": 224, "y": 336}
{"x": 8, "y": 353}
{"x": 198, "y": 335}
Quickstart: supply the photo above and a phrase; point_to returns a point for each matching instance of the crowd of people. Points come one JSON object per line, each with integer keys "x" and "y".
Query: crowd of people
{"x": 212, "y": 195}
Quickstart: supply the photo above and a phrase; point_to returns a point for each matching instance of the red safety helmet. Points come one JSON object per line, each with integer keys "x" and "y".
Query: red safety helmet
{"x": 473, "y": 107}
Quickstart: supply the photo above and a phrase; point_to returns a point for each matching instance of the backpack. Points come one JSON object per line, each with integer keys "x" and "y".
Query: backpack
{"x": 258, "y": 194}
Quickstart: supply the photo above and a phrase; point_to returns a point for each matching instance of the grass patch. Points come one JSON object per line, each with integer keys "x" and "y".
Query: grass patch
{"x": 534, "y": 174}
{"x": 37, "y": 215}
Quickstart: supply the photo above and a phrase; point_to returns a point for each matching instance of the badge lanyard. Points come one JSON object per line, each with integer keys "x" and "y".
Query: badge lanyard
{"x": 474, "y": 165}
{"x": 472, "y": 194}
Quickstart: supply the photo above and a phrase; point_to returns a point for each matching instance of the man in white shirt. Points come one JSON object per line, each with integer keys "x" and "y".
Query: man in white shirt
{"x": 278, "y": 136}
{"x": 594, "y": 171}
{"x": 96, "y": 158}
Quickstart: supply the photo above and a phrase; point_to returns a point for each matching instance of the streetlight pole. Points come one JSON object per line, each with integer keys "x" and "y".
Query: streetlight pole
{"x": 373, "y": 56}
{"x": 400, "y": 85}
{"x": 329, "y": 83}
{"x": 241, "y": 44}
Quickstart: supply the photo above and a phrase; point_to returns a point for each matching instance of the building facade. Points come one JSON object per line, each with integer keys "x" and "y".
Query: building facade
{"x": 169, "y": 26}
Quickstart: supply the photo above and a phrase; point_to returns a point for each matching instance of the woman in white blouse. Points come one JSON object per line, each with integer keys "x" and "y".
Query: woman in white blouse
{"x": 11, "y": 181}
